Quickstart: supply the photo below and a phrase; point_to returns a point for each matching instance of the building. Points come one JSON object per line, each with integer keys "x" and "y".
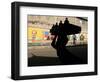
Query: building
{"x": 39, "y": 26}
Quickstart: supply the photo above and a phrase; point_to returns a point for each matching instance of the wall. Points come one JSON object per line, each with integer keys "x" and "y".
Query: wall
{"x": 5, "y": 40}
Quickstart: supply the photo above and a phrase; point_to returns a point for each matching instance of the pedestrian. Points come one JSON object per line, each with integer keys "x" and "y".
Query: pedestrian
{"x": 81, "y": 39}
{"x": 74, "y": 39}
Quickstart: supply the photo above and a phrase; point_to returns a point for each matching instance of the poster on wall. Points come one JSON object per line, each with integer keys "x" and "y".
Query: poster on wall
{"x": 53, "y": 40}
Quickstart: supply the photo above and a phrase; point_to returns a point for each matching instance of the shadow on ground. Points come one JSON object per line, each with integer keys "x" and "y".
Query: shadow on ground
{"x": 43, "y": 61}
{"x": 75, "y": 55}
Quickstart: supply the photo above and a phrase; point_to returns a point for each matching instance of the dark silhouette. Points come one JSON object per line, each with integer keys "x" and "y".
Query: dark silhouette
{"x": 66, "y": 21}
{"x": 82, "y": 39}
{"x": 60, "y": 40}
{"x": 74, "y": 39}
{"x": 54, "y": 30}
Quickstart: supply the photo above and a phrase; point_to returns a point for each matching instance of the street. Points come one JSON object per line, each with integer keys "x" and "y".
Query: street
{"x": 46, "y": 55}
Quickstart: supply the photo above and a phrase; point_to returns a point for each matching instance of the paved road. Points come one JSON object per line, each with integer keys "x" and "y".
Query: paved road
{"x": 46, "y": 55}
{"x": 46, "y": 51}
